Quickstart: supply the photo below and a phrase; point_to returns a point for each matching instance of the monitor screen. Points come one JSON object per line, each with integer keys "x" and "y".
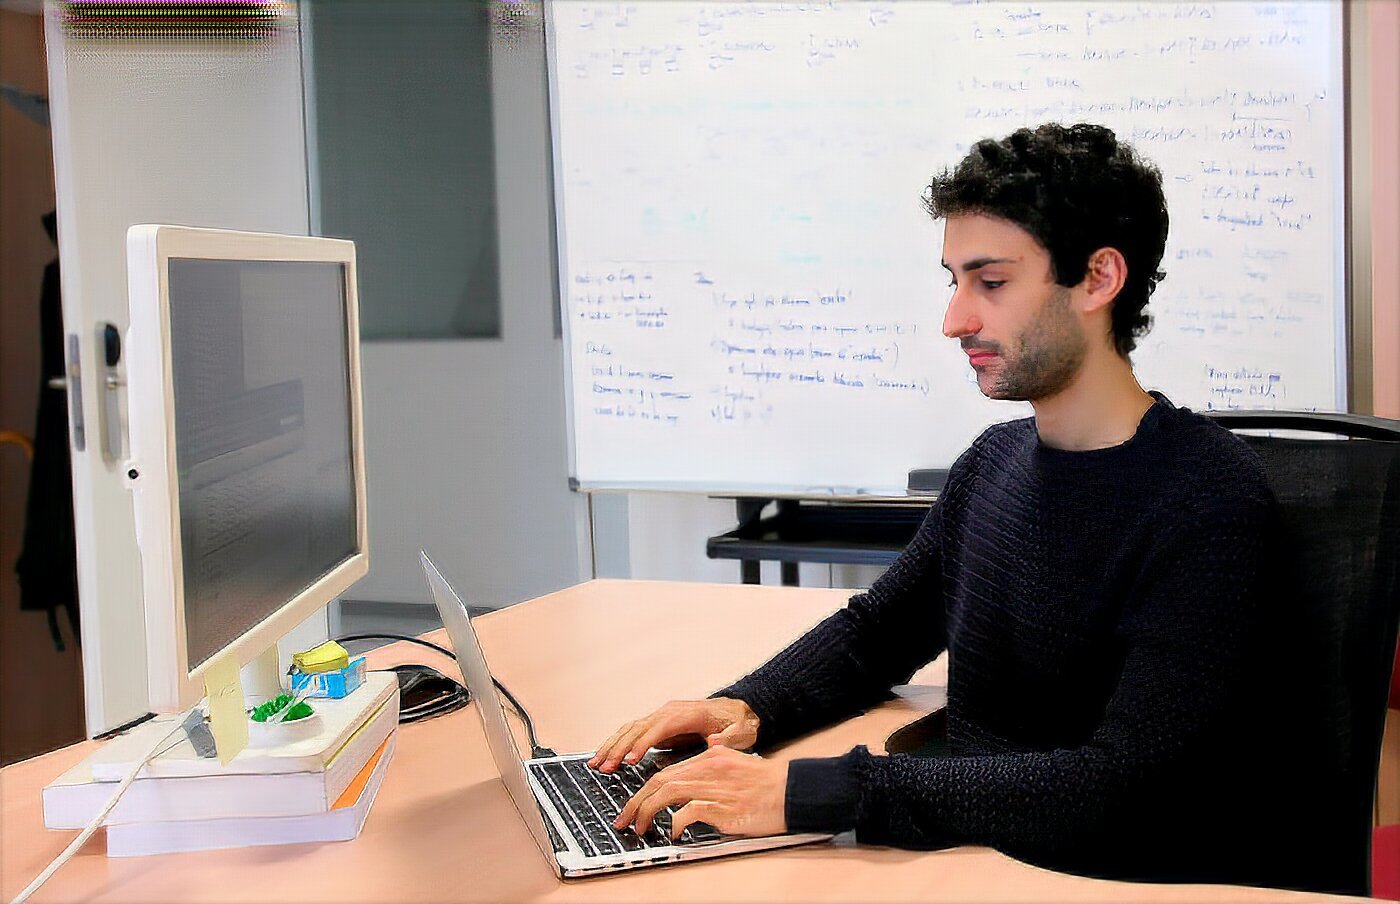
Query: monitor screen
{"x": 263, "y": 438}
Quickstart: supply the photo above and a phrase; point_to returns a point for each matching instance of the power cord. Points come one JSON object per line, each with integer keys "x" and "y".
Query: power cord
{"x": 536, "y": 750}
{"x": 97, "y": 820}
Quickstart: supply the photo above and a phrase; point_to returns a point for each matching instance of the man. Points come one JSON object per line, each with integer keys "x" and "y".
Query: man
{"x": 1100, "y": 574}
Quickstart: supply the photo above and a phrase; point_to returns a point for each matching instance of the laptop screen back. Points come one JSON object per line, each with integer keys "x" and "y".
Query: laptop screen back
{"x": 477, "y": 676}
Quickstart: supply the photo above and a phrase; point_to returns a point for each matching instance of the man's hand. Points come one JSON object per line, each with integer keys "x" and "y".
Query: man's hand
{"x": 719, "y": 722}
{"x": 737, "y": 793}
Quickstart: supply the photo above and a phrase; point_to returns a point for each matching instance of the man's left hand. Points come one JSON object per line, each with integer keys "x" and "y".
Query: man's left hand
{"x": 737, "y": 793}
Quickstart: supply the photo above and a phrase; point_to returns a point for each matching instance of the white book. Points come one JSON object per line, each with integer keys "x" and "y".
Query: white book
{"x": 340, "y": 719}
{"x": 293, "y": 780}
{"x": 342, "y": 822}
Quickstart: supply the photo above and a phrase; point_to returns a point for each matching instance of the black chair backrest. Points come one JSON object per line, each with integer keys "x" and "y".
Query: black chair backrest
{"x": 1339, "y": 494}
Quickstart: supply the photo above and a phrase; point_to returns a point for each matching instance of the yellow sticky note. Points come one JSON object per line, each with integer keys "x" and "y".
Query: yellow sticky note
{"x": 228, "y": 720}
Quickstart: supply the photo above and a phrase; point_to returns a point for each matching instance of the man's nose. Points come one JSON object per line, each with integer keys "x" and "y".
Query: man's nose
{"x": 960, "y": 320}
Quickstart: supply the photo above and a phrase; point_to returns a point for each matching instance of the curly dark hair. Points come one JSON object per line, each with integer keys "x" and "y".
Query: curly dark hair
{"x": 1076, "y": 189}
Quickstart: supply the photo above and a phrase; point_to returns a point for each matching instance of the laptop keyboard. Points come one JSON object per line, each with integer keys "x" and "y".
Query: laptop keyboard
{"x": 589, "y": 801}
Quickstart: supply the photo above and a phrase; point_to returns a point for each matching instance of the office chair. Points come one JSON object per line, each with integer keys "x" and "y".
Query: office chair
{"x": 1337, "y": 480}
{"x": 1385, "y": 841}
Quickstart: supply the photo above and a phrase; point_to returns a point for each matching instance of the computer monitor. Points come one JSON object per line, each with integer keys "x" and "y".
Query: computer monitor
{"x": 247, "y": 457}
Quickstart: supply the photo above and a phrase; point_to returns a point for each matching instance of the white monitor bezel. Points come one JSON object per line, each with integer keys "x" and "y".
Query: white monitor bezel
{"x": 173, "y": 686}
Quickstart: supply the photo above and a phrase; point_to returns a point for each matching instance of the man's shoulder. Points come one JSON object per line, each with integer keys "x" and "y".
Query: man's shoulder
{"x": 1214, "y": 466}
{"x": 1005, "y": 437}
{"x": 999, "y": 441}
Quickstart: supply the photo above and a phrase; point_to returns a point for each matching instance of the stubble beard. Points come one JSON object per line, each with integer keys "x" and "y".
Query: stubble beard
{"x": 1048, "y": 354}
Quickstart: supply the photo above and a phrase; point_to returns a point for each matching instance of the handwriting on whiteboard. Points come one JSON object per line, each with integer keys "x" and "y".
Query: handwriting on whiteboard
{"x": 745, "y": 244}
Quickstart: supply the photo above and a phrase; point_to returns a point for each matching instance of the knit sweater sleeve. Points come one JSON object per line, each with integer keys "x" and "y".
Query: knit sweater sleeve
{"x": 858, "y": 653}
{"x": 1186, "y": 633}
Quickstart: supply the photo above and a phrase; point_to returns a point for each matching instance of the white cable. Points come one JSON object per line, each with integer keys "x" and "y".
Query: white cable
{"x": 97, "y": 820}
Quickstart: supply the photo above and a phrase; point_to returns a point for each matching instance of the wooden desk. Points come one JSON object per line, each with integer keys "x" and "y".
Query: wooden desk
{"x": 443, "y": 828}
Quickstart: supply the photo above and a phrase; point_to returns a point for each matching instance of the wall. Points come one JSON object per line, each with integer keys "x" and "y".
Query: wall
{"x": 200, "y": 133}
{"x": 29, "y": 723}
{"x": 1384, "y": 60}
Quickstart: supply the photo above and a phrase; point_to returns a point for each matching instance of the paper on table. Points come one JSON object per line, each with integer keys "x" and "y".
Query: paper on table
{"x": 227, "y": 718}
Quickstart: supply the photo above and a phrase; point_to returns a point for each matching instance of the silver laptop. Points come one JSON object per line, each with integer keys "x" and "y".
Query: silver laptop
{"x": 568, "y": 807}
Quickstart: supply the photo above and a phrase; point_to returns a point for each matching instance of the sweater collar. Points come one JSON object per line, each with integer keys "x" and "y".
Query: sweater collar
{"x": 1149, "y": 424}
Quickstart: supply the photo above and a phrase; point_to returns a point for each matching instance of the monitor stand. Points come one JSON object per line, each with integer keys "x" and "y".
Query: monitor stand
{"x": 261, "y": 678}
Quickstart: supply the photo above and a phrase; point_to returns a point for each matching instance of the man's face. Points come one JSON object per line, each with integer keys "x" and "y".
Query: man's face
{"x": 1019, "y": 329}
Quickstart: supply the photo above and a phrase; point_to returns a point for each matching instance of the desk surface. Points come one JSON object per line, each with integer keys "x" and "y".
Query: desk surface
{"x": 443, "y": 828}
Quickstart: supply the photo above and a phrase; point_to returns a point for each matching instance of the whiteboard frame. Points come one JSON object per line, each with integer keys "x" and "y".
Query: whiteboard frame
{"x": 1343, "y": 359}
{"x": 744, "y": 491}
{"x": 561, "y": 256}
{"x": 1354, "y": 239}
{"x": 1359, "y": 378}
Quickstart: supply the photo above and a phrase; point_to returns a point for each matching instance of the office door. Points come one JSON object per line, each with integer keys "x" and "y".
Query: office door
{"x": 196, "y": 132}
{"x": 428, "y": 139}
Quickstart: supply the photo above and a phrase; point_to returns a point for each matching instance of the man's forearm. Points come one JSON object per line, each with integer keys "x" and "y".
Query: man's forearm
{"x": 815, "y": 681}
{"x": 857, "y": 653}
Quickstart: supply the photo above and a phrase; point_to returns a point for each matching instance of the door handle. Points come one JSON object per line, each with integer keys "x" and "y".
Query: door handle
{"x": 75, "y": 392}
{"x": 109, "y": 340}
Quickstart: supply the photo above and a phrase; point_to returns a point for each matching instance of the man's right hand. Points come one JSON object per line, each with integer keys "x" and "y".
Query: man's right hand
{"x": 718, "y": 722}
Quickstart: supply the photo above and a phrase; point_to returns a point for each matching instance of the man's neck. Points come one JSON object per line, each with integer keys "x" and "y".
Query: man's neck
{"x": 1101, "y": 408}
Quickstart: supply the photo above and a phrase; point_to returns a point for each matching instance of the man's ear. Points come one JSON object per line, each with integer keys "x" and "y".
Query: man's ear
{"x": 1104, "y": 279}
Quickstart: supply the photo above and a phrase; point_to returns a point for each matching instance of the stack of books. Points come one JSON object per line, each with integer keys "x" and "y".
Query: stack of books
{"x": 315, "y": 789}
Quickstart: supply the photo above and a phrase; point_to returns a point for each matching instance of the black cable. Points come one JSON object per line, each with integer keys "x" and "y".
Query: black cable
{"x": 536, "y": 750}
{"x": 124, "y": 727}
{"x": 409, "y": 677}
{"x": 404, "y": 637}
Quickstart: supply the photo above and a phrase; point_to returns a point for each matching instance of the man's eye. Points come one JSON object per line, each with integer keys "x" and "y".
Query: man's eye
{"x": 993, "y": 283}
{"x": 952, "y": 283}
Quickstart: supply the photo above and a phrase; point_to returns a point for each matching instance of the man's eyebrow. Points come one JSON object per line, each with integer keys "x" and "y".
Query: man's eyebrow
{"x": 978, "y": 263}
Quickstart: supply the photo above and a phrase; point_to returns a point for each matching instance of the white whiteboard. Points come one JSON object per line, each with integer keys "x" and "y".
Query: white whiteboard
{"x": 751, "y": 287}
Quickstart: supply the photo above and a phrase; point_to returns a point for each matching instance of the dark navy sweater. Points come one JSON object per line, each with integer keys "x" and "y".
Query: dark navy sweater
{"x": 1115, "y": 694}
